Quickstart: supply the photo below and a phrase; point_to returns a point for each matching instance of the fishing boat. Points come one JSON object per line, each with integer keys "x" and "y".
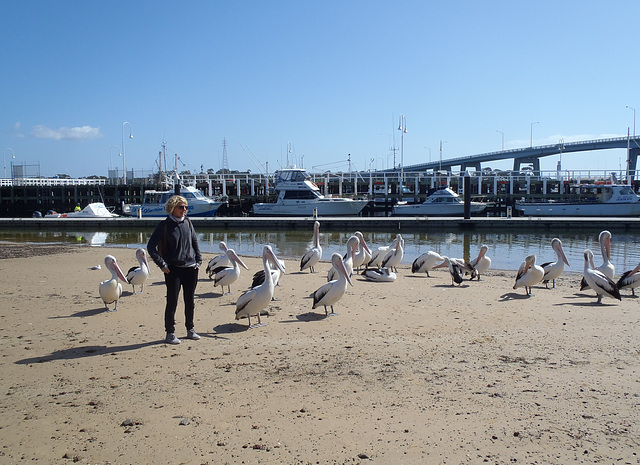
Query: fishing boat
{"x": 443, "y": 202}
{"x": 598, "y": 199}
{"x": 153, "y": 202}
{"x": 93, "y": 210}
{"x": 298, "y": 195}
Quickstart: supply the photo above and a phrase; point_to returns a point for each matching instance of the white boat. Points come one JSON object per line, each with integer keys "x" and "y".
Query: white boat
{"x": 590, "y": 200}
{"x": 93, "y": 210}
{"x": 153, "y": 202}
{"x": 299, "y": 196}
{"x": 443, "y": 202}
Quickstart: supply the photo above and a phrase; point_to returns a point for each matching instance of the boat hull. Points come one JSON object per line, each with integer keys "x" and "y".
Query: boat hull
{"x": 321, "y": 207}
{"x": 581, "y": 209}
{"x": 436, "y": 210}
{"x": 158, "y": 210}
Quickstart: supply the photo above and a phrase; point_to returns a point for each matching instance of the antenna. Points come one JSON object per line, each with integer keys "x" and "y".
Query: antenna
{"x": 225, "y": 160}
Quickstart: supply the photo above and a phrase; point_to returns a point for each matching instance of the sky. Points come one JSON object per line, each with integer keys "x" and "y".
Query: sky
{"x": 311, "y": 83}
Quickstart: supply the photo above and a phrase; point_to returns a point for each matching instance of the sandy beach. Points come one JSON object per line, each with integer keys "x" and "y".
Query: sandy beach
{"x": 411, "y": 372}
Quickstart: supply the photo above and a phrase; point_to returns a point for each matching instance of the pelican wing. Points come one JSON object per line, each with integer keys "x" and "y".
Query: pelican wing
{"x": 320, "y": 293}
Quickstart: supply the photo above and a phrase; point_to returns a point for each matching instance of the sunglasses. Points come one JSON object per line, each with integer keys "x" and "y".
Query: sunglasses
{"x": 183, "y": 207}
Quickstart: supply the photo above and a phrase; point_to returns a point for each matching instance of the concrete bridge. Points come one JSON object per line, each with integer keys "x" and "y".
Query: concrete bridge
{"x": 532, "y": 155}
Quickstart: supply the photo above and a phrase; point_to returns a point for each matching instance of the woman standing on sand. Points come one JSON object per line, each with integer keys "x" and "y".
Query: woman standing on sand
{"x": 174, "y": 247}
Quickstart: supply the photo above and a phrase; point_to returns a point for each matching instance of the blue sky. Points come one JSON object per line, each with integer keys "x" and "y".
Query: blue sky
{"x": 329, "y": 78}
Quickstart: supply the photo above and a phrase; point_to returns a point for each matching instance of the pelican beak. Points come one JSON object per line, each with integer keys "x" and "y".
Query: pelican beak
{"x": 344, "y": 271}
{"x": 564, "y": 258}
{"x": 272, "y": 257}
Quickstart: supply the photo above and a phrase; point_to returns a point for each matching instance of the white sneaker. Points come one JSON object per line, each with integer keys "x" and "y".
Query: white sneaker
{"x": 171, "y": 339}
{"x": 191, "y": 334}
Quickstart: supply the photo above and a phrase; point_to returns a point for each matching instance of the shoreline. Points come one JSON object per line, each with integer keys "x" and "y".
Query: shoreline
{"x": 414, "y": 371}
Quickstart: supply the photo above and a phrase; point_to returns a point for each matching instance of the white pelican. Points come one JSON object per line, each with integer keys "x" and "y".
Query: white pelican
{"x": 629, "y": 280}
{"x": 253, "y": 301}
{"x": 480, "y": 264}
{"x": 394, "y": 256}
{"x": 313, "y": 255}
{"x": 379, "y": 275}
{"x": 528, "y": 274}
{"x": 219, "y": 260}
{"x": 353, "y": 244}
{"x": 111, "y": 290}
{"x": 378, "y": 255}
{"x": 607, "y": 268}
{"x": 426, "y": 262}
{"x": 330, "y": 293}
{"x": 554, "y": 269}
{"x": 364, "y": 253}
{"x": 137, "y": 275}
{"x": 455, "y": 266}
{"x": 597, "y": 280}
{"x": 258, "y": 277}
{"x": 226, "y": 275}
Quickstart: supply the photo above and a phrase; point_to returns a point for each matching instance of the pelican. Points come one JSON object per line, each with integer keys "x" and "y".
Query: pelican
{"x": 597, "y": 280}
{"x": 258, "y": 277}
{"x": 394, "y": 256}
{"x": 607, "y": 268}
{"x": 455, "y": 266}
{"x": 554, "y": 269}
{"x": 528, "y": 274}
{"x": 480, "y": 264}
{"x": 353, "y": 244}
{"x": 379, "y": 275}
{"x": 426, "y": 262}
{"x": 219, "y": 260}
{"x": 360, "y": 258}
{"x": 226, "y": 275}
{"x": 253, "y": 301}
{"x": 313, "y": 255}
{"x": 629, "y": 280}
{"x": 111, "y": 290}
{"x": 378, "y": 255}
{"x": 137, "y": 275}
{"x": 330, "y": 293}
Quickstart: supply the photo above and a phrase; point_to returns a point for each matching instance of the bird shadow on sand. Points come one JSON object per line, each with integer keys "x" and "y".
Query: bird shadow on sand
{"x": 307, "y": 317}
{"x": 83, "y": 313}
{"x": 446, "y": 286}
{"x": 74, "y": 353}
{"x": 514, "y": 296}
{"x": 229, "y": 328}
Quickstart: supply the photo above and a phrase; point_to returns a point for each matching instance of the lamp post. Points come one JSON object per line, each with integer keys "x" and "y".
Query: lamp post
{"x": 402, "y": 127}
{"x": 441, "y": 142}
{"x": 531, "y": 139}
{"x": 4, "y": 159}
{"x": 502, "y": 133}
{"x": 111, "y": 156}
{"x": 124, "y": 169}
{"x": 634, "y": 120}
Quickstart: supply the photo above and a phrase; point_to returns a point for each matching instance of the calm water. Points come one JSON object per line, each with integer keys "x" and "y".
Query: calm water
{"x": 507, "y": 250}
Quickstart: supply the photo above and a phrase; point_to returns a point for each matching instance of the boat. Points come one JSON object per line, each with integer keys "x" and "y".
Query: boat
{"x": 298, "y": 195}
{"x": 443, "y": 202}
{"x": 93, "y": 210}
{"x": 598, "y": 199}
{"x": 153, "y": 202}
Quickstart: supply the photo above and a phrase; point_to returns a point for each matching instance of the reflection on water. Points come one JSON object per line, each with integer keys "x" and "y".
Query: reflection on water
{"x": 506, "y": 249}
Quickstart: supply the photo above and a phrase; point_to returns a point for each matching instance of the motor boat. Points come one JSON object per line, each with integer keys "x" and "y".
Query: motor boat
{"x": 93, "y": 210}
{"x": 298, "y": 195}
{"x": 443, "y": 202}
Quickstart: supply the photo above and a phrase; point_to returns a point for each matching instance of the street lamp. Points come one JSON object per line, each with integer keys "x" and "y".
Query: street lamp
{"x": 124, "y": 169}
{"x": 441, "y": 142}
{"x": 634, "y": 119}
{"x": 561, "y": 147}
{"x": 402, "y": 127}
{"x": 111, "y": 155}
{"x": 4, "y": 159}
{"x": 531, "y": 139}
{"x": 502, "y": 138}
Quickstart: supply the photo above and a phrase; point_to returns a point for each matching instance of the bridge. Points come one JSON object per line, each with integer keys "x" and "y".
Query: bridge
{"x": 532, "y": 155}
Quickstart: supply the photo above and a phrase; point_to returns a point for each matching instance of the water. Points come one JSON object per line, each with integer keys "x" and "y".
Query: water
{"x": 506, "y": 249}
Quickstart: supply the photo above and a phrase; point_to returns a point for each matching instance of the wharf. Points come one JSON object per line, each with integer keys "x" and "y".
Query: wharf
{"x": 382, "y": 224}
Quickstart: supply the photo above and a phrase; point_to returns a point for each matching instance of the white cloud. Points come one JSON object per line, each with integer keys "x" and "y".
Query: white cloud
{"x": 78, "y": 133}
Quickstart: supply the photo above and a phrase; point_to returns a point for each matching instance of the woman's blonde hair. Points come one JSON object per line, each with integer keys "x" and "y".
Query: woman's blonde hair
{"x": 173, "y": 202}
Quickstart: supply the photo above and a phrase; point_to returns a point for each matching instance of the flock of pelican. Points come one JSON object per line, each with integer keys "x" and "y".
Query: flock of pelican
{"x": 380, "y": 265}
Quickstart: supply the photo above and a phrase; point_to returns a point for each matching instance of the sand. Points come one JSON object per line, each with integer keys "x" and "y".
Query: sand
{"x": 411, "y": 372}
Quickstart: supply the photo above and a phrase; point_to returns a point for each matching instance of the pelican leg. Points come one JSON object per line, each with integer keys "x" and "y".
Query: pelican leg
{"x": 260, "y": 323}
{"x": 332, "y": 312}
{"x": 599, "y": 301}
